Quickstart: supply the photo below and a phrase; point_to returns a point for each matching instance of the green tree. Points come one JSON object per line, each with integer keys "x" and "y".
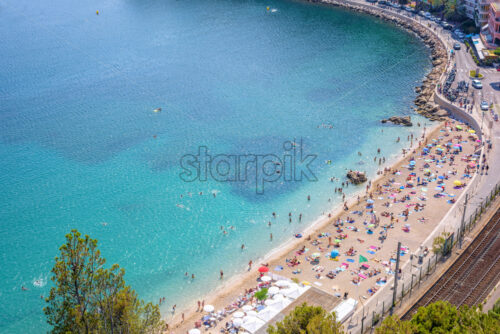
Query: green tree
{"x": 307, "y": 319}
{"x": 442, "y": 317}
{"x": 392, "y": 325}
{"x": 88, "y": 298}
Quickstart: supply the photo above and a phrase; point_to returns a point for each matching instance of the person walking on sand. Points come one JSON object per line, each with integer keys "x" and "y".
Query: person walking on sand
{"x": 250, "y": 265}
{"x": 199, "y": 305}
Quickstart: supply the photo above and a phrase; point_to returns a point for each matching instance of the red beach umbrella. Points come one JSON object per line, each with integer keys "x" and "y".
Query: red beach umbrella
{"x": 263, "y": 269}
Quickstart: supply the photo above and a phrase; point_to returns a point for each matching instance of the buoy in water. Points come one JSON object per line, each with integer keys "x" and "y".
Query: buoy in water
{"x": 157, "y": 110}
{"x": 267, "y": 8}
{"x": 96, "y": 12}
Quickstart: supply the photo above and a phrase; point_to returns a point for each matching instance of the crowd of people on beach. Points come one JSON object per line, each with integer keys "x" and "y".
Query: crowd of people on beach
{"x": 351, "y": 249}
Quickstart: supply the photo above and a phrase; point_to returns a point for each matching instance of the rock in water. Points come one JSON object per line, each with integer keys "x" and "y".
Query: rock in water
{"x": 406, "y": 120}
{"x": 356, "y": 177}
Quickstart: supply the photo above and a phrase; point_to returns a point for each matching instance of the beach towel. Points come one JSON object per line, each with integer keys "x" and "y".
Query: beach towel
{"x": 374, "y": 248}
{"x": 278, "y": 268}
{"x": 362, "y": 276}
{"x": 370, "y": 252}
{"x": 350, "y": 260}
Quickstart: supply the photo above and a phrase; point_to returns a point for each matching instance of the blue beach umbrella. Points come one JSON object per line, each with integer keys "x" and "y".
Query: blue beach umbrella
{"x": 334, "y": 253}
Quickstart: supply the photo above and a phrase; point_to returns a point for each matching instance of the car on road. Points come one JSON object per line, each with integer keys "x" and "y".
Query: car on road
{"x": 395, "y": 5}
{"x": 448, "y": 26}
{"x": 485, "y": 106}
{"x": 382, "y": 2}
{"x": 427, "y": 15}
{"x": 457, "y": 46}
{"x": 477, "y": 84}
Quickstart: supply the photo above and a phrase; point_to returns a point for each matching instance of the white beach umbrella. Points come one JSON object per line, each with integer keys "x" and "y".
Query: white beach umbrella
{"x": 194, "y": 331}
{"x": 282, "y": 283}
{"x": 208, "y": 308}
{"x": 252, "y": 313}
{"x": 238, "y": 314}
{"x": 272, "y": 290}
{"x": 237, "y": 322}
{"x": 247, "y": 308}
{"x": 265, "y": 279}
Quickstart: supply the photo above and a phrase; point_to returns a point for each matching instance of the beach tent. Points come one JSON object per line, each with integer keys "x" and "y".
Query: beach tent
{"x": 194, "y": 331}
{"x": 280, "y": 304}
{"x": 267, "y": 314}
{"x": 272, "y": 290}
{"x": 292, "y": 292}
{"x": 282, "y": 283}
{"x": 252, "y": 324}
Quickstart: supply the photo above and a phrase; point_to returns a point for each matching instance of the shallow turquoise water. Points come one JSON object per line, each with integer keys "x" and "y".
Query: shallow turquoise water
{"x": 77, "y": 131}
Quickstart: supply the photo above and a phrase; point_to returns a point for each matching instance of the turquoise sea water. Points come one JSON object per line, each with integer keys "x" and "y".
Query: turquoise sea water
{"x": 80, "y": 144}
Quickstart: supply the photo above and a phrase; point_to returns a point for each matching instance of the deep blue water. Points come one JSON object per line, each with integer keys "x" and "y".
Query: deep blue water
{"x": 80, "y": 144}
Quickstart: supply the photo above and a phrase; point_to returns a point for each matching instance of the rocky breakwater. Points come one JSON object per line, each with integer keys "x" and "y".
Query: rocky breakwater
{"x": 424, "y": 104}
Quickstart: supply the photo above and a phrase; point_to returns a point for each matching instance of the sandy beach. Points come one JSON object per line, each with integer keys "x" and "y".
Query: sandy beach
{"x": 404, "y": 203}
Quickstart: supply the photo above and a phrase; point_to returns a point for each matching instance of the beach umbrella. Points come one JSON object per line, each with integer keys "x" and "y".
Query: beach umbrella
{"x": 194, "y": 331}
{"x": 458, "y": 127}
{"x": 251, "y": 313}
{"x": 208, "y": 308}
{"x": 441, "y": 177}
{"x": 265, "y": 279}
{"x": 457, "y": 183}
{"x": 272, "y": 290}
{"x": 472, "y": 131}
{"x": 315, "y": 255}
{"x": 247, "y": 308}
{"x": 412, "y": 163}
{"x": 237, "y": 322}
{"x": 282, "y": 283}
{"x": 370, "y": 201}
{"x": 334, "y": 253}
{"x": 263, "y": 269}
{"x": 238, "y": 314}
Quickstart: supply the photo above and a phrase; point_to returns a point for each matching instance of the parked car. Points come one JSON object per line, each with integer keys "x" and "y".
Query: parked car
{"x": 421, "y": 13}
{"x": 408, "y": 9}
{"x": 485, "y": 106}
{"x": 448, "y": 26}
{"x": 396, "y": 5}
{"x": 477, "y": 84}
{"x": 382, "y": 2}
{"x": 456, "y": 46}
